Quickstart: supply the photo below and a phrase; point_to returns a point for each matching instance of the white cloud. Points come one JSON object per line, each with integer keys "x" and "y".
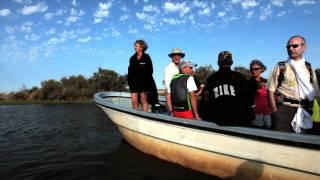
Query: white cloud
{"x": 235, "y": 1}
{"x": 199, "y": 4}
{"x": 249, "y": 14}
{"x": 124, "y": 8}
{"x": 205, "y": 11}
{"x": 50, "y": 15}
{"x": 124, "y": 17}
{"x": 10, "y": 30}
{"x": 282, "y": 13}
{"x": 265, "y": 12}
{"x": 133, "y": 30}
{"x": 50, "y": 31}
{"x": 144, "y": 17}
{"x": 84, "y": 40}
{"x": 173, "y": 21}
{"x": 221, "y": 14}
{"x": 278, "y": 3}
{"x": 54, "y": 40}
{"x": 74, "y": 16}
{"x": 74, "y": 2}
{"x": 303, "y": 2}
{"x": 307, "y": 12}
{"x": 72, "y": 19}
{"x": 5, "y": 12}
{"x": 213, "y": 6}
{"x": 191, "y": 19}
{"x": 246, "y": 4}
{"x": 68, "y": 35}
{"x": 151, "y": 8}
{"x": 102, "y": 12}
{"x": 176, "y": 7}
{"x": 60, "y": 12}
{"x": 115, "y": 32}
{"x": 62, "y": 37}
{"x": 32, "y": 37}
{"x": 23, "y": 1}
{"x": 170, "y": 21}
{"x": 38, "y": 8}
{"x": 34, "y": 53}
{"x": 10, "y": 50}
{"x": 27, "y": 27}
{"x": 83, "y": 31}
{"x": 148, "y": 27}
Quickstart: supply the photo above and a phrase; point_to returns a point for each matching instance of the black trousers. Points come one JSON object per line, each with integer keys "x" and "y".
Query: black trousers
{"x": 281, "y": 120}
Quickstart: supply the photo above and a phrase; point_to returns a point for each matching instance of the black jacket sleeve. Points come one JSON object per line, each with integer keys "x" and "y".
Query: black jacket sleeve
{"x": 130, "y": 71}
{"x": 149, "y": 68}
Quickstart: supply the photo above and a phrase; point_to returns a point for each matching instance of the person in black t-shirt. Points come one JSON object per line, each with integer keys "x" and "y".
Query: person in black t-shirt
{"x": 229, "y": 99}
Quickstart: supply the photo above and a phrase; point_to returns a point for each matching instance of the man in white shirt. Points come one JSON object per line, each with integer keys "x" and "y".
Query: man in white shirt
{"x": 172, "y": 68}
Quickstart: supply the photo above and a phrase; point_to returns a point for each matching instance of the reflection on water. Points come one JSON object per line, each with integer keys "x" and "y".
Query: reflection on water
{"x": 73, "y": 141}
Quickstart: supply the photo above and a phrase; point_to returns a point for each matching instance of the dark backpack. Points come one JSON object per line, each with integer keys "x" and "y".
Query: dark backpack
{"x": 282, "y": 66}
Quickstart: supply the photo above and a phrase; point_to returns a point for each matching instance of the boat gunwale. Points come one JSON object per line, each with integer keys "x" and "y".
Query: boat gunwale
{"x": 291, "y": 139}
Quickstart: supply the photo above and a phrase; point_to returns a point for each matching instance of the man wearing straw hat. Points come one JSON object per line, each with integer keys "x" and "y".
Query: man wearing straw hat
{"x": 172, "y": 68}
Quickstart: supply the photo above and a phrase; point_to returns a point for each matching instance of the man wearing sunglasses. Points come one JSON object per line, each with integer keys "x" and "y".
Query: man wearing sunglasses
{"x": 291, "y": 83}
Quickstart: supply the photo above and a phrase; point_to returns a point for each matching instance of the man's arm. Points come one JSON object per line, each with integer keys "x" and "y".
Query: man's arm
{"x": 167, "y": 77}
{"x": 194, "y": 102}
{"x": 272, "y": 101}
{"x": 169, "y": 103}
{"x": 272, "y": 85}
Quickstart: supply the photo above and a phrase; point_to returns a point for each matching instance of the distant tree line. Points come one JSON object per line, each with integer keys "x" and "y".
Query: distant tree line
{"x": 80, "y": 88}
{"x": 71, "y": 88}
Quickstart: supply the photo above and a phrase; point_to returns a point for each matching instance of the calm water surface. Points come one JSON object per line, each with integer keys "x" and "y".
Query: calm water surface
{"x": 73, "y": 141}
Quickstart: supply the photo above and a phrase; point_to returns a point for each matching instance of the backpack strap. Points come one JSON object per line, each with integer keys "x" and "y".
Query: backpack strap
{"x": 282, "y": 67}
{"x": 308, "y": 65}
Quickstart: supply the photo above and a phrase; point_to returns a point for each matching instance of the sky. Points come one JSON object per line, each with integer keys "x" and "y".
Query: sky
{"x": 42, "y": 40}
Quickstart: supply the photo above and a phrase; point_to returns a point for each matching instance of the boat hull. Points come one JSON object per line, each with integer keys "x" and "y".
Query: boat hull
{"x": 208, "y": 162}
{"x": 210, "y": 152}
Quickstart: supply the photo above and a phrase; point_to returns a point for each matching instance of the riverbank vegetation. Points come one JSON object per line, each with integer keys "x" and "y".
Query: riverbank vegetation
{"x": 79, "y": 89}
{"x": 69, "y": 89}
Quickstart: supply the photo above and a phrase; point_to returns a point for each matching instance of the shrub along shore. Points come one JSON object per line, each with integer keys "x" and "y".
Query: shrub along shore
{"x": 25, "y": 102}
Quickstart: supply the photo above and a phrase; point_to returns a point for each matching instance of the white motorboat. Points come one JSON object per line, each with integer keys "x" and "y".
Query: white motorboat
{"x": 226, "y": 152}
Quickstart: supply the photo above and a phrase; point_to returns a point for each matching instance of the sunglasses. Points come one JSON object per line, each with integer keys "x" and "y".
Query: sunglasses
{"x": 255, "y": 69}
{"x": 293, "y": 46}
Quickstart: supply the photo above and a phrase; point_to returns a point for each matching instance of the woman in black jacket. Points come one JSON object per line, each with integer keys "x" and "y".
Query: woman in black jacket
{"x": 140, "y": 78}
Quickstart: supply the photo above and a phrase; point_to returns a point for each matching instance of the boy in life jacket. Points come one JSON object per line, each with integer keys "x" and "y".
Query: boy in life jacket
{"x": 182, "y": 101}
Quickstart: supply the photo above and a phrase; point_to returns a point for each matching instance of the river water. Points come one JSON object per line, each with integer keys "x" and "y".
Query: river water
{"x": 73, "y": 141}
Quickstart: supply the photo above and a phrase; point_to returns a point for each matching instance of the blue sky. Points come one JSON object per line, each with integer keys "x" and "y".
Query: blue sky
{"x": 42, "y": 40}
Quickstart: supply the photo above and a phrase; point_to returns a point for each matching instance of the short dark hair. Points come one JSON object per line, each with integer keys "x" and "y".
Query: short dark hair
{"x": 225, "y": 58}
{"x": 142, "y": 43}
